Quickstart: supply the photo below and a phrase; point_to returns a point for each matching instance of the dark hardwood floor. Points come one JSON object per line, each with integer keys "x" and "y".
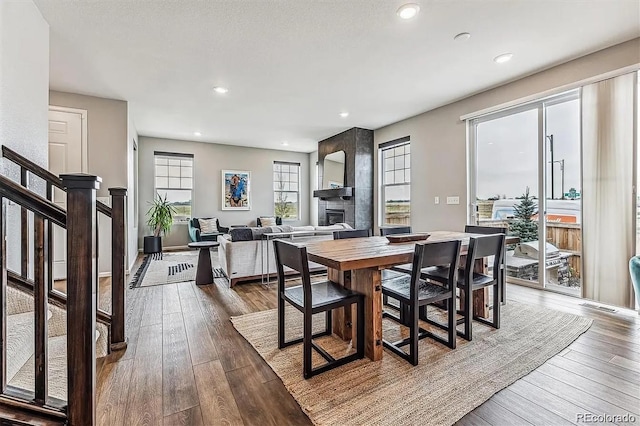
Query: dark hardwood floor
{"x": 186, "y": 365}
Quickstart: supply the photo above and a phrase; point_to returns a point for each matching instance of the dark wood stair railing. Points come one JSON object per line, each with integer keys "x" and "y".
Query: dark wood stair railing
{"x": 81, "y": 297}
{"x": 80, "y": 352}
{"x": 80, "y": 221}
{"x": 117, "y": 213}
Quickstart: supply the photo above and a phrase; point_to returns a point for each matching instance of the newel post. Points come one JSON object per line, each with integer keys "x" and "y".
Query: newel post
{"x": 81, "y": 297}
{"x": 118, "y": 252}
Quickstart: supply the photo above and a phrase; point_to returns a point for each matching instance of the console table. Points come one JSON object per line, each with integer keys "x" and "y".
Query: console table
{"x": 265, "y": 277}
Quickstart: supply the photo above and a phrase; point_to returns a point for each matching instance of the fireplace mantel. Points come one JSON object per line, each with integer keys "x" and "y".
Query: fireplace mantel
{"x": 344, "y": 193}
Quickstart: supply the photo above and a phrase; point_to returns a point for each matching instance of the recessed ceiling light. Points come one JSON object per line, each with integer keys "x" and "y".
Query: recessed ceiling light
{"x": 462, "y": 37}
{"x": 344, "y": 114}
{"x": 285, "y": 143}
{"x": 501, "y": 59}
{"x": 408, "y": 11}
{"x": 221, "y": 90}
{"x": 197, "y": 134}
{"x": 490, "y": 143}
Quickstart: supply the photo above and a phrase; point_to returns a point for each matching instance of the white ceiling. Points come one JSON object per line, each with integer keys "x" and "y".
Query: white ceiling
{"x": 291, "y": 66}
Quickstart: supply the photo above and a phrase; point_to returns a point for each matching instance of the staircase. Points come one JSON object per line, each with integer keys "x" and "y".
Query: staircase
{"x": 20, "y": 344}
{"x": 42, "y": 330}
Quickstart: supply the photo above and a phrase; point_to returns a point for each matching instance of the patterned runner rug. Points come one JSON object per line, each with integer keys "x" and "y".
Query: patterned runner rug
{"x": 167, "y": 268}
{"x": 446, "y": 384}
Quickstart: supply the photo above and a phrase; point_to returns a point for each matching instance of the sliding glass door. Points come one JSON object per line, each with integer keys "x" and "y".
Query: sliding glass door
{"x": 507, "y": 184}
{"x": 563, "y": 190}
{"x": 527, "y": 178}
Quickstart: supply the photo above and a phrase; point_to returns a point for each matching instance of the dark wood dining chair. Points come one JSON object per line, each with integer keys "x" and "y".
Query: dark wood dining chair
{"x": 394, "y": 271}
{"x": 414, "y": 292}
{"x": 352, "y": 233}
{"x": 441, "y": 273}
{"x": 393, "y": 230}
{"x": 311, "y": 299}
{"x": 488, "y": 230}
{"x": 470, "y": 281}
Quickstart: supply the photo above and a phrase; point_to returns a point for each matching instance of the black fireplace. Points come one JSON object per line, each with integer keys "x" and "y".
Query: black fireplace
{"x": 334, "y": 216}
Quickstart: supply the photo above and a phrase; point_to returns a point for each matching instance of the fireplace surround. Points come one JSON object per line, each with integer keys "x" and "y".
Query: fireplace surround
{"x": 356, "y": 205}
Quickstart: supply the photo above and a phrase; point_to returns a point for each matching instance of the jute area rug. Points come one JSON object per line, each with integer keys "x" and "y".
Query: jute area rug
{"x": 168, "y": 268}
{"x": 446, "y": 384}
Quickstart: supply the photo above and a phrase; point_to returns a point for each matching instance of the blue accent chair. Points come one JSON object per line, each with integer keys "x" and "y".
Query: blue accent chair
{"x": 196, "y": 235}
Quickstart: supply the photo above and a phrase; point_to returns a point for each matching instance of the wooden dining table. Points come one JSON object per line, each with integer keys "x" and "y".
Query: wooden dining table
{"x": 366, "y": 258}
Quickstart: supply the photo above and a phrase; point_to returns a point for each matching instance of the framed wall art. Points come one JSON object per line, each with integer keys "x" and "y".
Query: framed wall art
{"x": 236, "y": 190}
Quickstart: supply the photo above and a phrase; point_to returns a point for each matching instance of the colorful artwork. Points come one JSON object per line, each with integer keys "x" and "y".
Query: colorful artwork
{"x": 236, "y": 187}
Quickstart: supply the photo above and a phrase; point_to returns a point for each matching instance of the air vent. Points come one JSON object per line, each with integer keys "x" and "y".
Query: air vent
{"x": 598, "y": 307}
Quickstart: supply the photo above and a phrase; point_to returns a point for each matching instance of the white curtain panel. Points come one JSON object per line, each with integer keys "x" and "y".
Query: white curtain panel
{"x": 608, "y": 202}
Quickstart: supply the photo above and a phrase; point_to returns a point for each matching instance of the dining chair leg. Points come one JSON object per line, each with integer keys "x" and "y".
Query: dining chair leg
{"x": 468, "y": 313}
{"x": 413, "y": 330}
{"x": 503, "y": 277}
{"x": 360, "y": 327}
{"x": 328, "y": 321}
{"x": 280, "y": 322}
{"x": 496, "y": 305}
{"x": 306, "y": 346}
{"x": 451, "y": 311}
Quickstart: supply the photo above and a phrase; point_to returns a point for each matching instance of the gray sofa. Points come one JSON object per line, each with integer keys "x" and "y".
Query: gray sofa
{"x": 246, "y": 254}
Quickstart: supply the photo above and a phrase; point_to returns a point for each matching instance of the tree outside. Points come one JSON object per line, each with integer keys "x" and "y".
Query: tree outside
{"x": 523, "y": 226}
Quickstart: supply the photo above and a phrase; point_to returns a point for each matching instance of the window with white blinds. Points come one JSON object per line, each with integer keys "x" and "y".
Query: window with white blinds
{"x": 174, "y": 180}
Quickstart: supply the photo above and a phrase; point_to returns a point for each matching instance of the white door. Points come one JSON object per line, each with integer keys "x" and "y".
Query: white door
{"x": 66, "y": 154}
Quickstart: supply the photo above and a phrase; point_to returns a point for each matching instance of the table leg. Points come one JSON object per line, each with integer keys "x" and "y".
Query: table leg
{"x": 204, "y": 273}
{"x": 368, "y": 282}
{"x": 343, "y": 319}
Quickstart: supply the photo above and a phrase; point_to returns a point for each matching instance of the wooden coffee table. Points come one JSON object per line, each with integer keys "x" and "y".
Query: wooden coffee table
{"x": 204, "y": 272}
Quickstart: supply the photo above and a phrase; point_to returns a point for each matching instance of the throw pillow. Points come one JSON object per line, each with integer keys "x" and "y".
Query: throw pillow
{"x": 207, "y": 226}
{"x": 267, "y": 221}
{"x": 241, "y": 234}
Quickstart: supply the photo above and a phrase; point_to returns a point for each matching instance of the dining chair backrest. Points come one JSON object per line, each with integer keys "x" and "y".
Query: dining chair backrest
{"x": 392, "y": 230}
{"x": 485, "y": 246}
{"x": 294, "y": 257}
{"x": 443, "y": 253}
{"x": 484, "y": 230}
{"x": 352, "y": 233}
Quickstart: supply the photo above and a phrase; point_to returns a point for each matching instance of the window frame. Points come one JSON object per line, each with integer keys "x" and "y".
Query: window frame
{"x": 180, "y": 156}
{"x": 386, "y": 146}
{"x": 297, "y": 191}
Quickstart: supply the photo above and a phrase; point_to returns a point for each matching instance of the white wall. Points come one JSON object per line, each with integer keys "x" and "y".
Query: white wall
{"x": 438, "y": 137}
{"x": 132, "y": 192}
{"x": 209, "y": 160}
{"x": 109, "y": 138}
{"x": 24, "y": 99}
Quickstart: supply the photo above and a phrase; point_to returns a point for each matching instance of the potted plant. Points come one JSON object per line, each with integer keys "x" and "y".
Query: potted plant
{"x": 159, "y": 219}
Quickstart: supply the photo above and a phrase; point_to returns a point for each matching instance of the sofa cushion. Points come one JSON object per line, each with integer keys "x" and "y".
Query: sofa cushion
{"x": 268, "y": 221}
{"x": 304, "y": 228}
{"x": 208, "y": 226}
{"x": 335, "y": 227}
